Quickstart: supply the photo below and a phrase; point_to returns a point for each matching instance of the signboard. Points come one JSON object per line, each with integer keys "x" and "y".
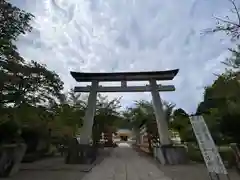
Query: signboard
{"x": 207, "y": 146}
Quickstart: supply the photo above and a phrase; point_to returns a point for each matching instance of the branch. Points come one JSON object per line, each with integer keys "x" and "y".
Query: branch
{"x": 226, "y": 21}
{"x": 236, "y": 9}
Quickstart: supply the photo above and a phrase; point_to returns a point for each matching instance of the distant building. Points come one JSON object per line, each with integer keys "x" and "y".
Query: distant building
{"x": 123, "y": 134}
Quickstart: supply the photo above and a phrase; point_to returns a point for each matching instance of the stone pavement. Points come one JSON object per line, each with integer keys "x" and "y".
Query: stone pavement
{"x": 125, "y": 164}
{"x": 51, "y": 169}
{"x": 191, "y": 171}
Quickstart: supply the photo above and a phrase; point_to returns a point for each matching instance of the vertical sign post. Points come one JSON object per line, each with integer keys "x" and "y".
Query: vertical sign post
{"x": 208, "y": 149}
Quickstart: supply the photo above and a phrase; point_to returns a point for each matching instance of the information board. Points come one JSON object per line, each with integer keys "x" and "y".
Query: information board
{"x": 207, "y": 146}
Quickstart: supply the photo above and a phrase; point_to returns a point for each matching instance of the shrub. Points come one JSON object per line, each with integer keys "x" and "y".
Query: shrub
{"x": 8, "y": 130}
{"x": 195, "y": 155}
{"x": 225, "y": 152}
{"x": 227, "y": 156}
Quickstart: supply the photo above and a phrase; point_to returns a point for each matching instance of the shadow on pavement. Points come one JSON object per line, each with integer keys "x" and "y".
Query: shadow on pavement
{"x": 56, "y": 169}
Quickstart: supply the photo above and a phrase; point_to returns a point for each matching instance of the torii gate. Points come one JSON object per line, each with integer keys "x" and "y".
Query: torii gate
{"x": 123, "y": 77}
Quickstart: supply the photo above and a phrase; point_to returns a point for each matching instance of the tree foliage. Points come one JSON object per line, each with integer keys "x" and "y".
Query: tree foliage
{"x": 107, "y": 116}
{"x": 221, "y": 106}
{"x": 14, "y": 22}
{"x": 182, "y": 125}
{"x": 26, "y": 88}
{"x": 234, "y": 60}
{"x": 142, "y": 115}
{"x": 28, "y": 83}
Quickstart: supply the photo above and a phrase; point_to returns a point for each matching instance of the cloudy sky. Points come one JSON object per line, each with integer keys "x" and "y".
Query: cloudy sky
{"x": 129, "y": 35}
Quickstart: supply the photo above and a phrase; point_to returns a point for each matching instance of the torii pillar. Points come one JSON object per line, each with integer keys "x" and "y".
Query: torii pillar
{"x": 88, "y": 120}
{"x": 159, "y": 114}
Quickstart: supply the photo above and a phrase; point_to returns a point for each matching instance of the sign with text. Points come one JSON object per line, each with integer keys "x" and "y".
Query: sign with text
{"x": 207, "y": 146}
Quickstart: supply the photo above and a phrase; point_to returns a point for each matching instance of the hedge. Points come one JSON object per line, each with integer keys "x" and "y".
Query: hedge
{"x": 225, "y": 152}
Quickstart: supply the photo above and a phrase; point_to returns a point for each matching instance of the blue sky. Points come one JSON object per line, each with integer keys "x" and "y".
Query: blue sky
{"x": 129, "y": 35}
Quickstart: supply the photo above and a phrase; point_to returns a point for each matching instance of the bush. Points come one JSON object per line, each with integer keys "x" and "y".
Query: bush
{"x": 195, "y": 155}
{"x": 227, "y": 156}
{"x": 8, "y": 130}
{"x": 225, "y": 152}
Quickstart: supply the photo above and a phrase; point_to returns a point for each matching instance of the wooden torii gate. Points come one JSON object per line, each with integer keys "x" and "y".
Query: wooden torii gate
{"x": 123, "y": 77}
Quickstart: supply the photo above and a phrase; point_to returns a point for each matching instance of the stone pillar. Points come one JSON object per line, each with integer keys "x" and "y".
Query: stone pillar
{"x": 88, "y": 119}
{"x": 160, "y": 116}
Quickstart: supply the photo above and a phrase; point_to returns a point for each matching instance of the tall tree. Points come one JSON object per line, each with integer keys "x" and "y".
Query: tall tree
{"x": 23, "y": 84}
{"x": 14, "y": 22}
{"x": 20, "y": 81}
{"x": 28, "y": 83}
{"x": 221, "y": 108}
{"x": 221, "y": 100}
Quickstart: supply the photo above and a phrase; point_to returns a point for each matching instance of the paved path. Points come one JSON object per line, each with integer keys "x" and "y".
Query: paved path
{"x": 125, "y": 164}
{"x": 49, "y": 169}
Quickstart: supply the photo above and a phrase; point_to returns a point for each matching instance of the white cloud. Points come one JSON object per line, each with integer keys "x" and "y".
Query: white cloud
{"x": 129, "y": 35}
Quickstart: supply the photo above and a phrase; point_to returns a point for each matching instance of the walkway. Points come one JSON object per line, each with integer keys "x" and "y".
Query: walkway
{"x": 125, "y": 164}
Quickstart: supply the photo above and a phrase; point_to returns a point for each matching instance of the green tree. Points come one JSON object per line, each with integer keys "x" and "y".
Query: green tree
{"x": 14, "y": 22}
{"x": 234, "y": 60}
{"x": 67, "y": 120}
{"x": 182, "y": 125}
{"x": 221, "y": 106}
{"x": 20, "y": 81}
{"x": 28, "y": 83}
{"x": 142, "y": 114}
{"x": 23, "y": 85}
{"x": 106, "y": 116}
{"x": 76, "y": 99}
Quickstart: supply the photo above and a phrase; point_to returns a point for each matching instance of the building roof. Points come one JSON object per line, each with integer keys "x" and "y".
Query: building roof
{"x": 128, "y": 76}
{"x": 124, "y": 131}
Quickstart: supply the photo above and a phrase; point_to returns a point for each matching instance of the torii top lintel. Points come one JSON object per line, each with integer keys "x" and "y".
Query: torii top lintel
{"x": 124, "y": 76}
